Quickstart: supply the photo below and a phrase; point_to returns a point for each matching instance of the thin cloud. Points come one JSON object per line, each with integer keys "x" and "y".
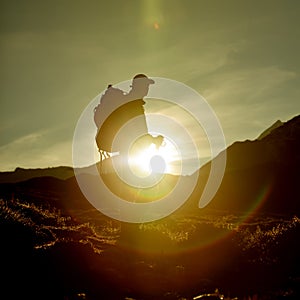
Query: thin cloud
{"x": 241, "y": 97}
{"x": 35, "y": 150}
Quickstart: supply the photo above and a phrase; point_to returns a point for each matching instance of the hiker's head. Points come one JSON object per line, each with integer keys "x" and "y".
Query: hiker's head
{"x": 142, "y": 79}
{"x": 140, "y": 85}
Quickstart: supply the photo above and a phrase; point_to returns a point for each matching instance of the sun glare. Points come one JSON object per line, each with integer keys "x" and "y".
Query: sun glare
{"x": 154, "y": 160}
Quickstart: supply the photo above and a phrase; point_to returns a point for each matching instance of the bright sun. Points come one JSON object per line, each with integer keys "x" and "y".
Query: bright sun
{"x": 153, "y": 160}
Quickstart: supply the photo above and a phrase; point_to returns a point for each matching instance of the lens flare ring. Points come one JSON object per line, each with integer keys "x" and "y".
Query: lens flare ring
{"x": 106, "y": 201}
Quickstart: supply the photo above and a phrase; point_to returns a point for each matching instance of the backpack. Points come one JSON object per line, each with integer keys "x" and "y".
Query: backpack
{"x": 112, "y": 113}
{"x": 108, "y": 101}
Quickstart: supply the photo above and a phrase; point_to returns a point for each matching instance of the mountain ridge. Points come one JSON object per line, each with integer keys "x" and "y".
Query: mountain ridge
{"x": 65, "y": 172}
{"x": 22, "y": 174}
{"x": 266, "y": 169}
{"x": 266, "y": 132}
{"x": 268, "y": 166}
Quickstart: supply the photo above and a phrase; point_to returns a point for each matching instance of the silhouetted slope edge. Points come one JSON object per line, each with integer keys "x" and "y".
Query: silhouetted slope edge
{"x": 262, "y": 172}
{"x": 277, "y": 124}
{"x": 21, "y": 174}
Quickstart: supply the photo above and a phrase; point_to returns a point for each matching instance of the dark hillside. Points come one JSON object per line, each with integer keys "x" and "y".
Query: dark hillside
{"x": 21, "y": 174}
{"x": 266, "y": 169}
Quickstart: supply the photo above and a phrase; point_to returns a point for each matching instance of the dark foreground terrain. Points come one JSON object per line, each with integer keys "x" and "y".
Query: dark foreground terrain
{"x": 50, "y": 254}
{"x": 54, "y": 245}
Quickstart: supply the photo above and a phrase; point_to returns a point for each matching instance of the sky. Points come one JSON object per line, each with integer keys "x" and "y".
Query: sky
{"x": 56, "y": 56}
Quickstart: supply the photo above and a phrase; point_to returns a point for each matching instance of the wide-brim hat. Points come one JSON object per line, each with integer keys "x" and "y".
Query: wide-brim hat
{"x": 143, "y": 78}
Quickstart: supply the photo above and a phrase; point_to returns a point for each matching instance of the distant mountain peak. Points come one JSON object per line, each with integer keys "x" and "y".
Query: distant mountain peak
{"x": 21, "y": 174}
{"x": 265, "y": 133}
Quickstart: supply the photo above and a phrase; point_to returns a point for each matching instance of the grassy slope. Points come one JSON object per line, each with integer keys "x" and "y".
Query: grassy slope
{"x": 56, "y": 256}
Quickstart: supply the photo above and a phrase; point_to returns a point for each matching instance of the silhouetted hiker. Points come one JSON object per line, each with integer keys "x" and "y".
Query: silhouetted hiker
{"x": 129, "y": 112}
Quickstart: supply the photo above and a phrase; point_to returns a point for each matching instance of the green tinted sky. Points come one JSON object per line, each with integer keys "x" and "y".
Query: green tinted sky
{"x": 56, "y": 56}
